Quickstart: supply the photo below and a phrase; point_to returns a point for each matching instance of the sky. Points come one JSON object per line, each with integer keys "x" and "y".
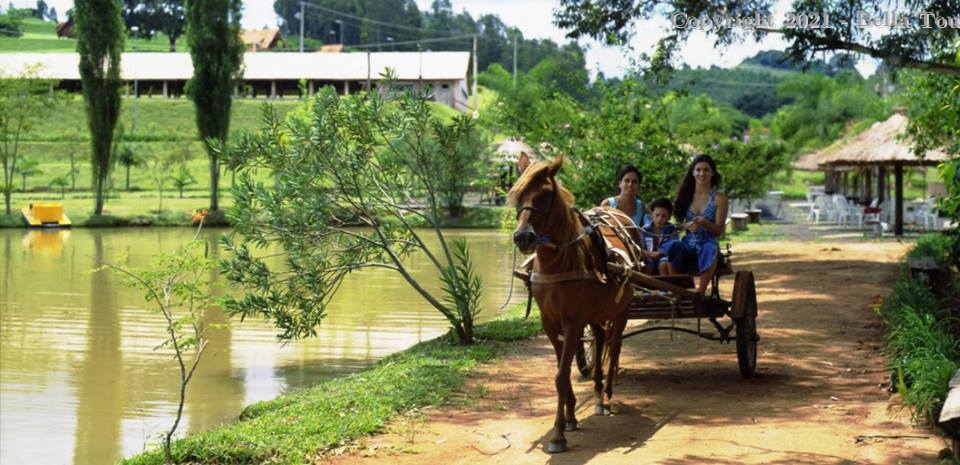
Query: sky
{"x": 535, "y": 19}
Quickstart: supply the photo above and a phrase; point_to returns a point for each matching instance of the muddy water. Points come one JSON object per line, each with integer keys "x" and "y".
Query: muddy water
{"x": 81, "y": 383}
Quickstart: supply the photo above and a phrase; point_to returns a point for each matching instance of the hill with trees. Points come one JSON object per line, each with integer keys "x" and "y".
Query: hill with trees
{"x": 751, "y": 86}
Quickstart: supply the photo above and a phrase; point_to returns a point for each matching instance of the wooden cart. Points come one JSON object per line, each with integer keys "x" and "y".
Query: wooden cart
{"x": 663, "y": 299}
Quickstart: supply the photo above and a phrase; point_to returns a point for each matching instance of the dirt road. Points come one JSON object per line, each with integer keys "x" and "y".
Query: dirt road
{"x": 820, "y": 396}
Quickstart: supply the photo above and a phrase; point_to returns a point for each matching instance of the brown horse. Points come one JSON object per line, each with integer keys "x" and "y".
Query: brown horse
{"x": 568, "y": 283}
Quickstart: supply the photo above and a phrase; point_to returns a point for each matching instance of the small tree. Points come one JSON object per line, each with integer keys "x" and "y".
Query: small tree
{"x": 179, "y": 287}
{"x": 348, "y": 161}
{"x": 28, "y": 167}
{"x": 159, "y": 166}
{"x": 128, "y": 158}
{"x": 62, "y": 183}
{"x": 24, "y": 102}
{"x": 748, "y": 168}
{"x": 182, "y": 178}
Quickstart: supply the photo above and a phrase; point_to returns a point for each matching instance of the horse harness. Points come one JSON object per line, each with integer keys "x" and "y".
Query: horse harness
{"x": 601, "y": 226}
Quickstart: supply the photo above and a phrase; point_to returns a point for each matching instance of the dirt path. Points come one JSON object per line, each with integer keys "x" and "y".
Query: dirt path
{"x": 820, "y": 396}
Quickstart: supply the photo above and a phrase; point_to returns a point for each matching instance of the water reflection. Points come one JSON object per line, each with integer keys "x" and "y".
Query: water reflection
{"x": 99, "y": 389}
{"x": 81, "y": 383}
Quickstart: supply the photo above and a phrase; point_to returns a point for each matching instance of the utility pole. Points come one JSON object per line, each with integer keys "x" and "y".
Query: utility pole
{"x": 476, "y": 104}
{"x": 515, "y": 58}
{"x": 302, "y": 4}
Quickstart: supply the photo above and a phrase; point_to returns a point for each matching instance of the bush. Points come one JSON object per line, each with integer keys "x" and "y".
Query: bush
{"x": 10, "y": 26}
{"x": 923, "y": 350}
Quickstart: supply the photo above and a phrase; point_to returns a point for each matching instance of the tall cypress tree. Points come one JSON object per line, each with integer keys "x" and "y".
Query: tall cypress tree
{"x": 99, "y": 29}
{"x": 213, "y": 33}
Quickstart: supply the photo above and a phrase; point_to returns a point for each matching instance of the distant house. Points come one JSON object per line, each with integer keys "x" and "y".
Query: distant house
{"x": 65, "y": 29}
{"x": 261, "y": 39}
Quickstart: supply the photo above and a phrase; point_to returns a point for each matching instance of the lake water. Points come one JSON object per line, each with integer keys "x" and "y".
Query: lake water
{"x": 81, "y": 383}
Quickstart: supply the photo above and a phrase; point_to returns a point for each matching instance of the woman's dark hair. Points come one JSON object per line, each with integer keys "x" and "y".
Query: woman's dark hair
{"x": 629, "y": 169}
{"x": 662, "y": 203}
{"x": 688, "y": 185}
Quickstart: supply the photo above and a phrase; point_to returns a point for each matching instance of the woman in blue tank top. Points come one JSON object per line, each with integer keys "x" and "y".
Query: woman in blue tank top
{"x": 702, "y": 212}
{"x": 629, "y": 182}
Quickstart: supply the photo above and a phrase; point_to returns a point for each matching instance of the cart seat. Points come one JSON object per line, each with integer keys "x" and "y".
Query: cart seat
{"x": 686, "y": 280}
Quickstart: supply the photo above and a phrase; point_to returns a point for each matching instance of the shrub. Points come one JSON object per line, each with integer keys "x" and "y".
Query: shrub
{"x": 923, "y": 350}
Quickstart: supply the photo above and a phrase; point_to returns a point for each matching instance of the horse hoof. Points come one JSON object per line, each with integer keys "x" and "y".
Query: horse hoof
{"x": 572, "y": 426}
{"x": 556, "y": 446}
{"x": 601, "y": 411}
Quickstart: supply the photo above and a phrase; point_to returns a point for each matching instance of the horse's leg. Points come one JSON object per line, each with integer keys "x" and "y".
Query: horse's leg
{"x": 566, "y": 402}
{"x": 571, "y": 335}
{"x": 557, "y": 442}
{"x": 599, "y": 340}
{"x": 616, "y": 342}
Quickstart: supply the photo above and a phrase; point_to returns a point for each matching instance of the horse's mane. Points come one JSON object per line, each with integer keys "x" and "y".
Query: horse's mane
{"x": 536, "y": 172}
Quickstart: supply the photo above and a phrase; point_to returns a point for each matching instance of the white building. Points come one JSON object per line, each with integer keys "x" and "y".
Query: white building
{"x": 268, "y": 75}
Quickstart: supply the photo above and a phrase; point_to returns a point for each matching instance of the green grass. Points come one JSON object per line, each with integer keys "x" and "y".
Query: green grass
{"x": 164, "y": 127}
{"x": 120, "y": 209}
{"x": 298, "y": 427}
{"x": 796, "y": 183}
{"x": 41, "y": 37}
{"x": 754, "y": 233}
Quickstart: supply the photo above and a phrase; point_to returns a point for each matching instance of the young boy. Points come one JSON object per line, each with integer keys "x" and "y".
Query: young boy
{"x": 655, "y": 234}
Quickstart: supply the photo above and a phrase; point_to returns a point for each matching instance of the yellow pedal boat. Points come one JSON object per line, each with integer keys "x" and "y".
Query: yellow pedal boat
{"x": 45, "y": 215}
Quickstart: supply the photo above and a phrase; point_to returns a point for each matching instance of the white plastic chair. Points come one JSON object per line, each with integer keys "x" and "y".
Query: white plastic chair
{"x": 848, "y": 212}
{"x": 822, "y": 205}
{"x": 924, "y": 214}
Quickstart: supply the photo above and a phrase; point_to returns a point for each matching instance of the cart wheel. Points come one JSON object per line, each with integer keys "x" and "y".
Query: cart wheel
{"x": 586, "y": 357}
{"x": 745, "y": 316}
{"x": 585, "y": 352}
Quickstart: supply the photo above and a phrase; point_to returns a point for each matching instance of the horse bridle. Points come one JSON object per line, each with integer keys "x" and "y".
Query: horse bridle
{"x": 533, "y": 209}
{"x": 545, "y": 239}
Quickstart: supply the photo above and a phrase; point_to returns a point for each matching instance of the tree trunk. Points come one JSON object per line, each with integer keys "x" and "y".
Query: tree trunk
{"x": 98, "y": 206}
{"x": 128, "y": 178}
{"x": 173, "y": 43}
{"x": 6, "y": 200}
{"x": 23, "y": 183}
{"x": 73, "y": 172}
{"x": 214, "y": 181}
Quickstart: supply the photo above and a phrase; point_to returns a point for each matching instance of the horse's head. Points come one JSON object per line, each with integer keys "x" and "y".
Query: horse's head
{"x": 538, "y": 197}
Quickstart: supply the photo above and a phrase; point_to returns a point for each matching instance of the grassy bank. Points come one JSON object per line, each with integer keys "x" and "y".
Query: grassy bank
{"x": 923, "y": 338}
{"x": 298, "y": 427}
{"x": 143, "y": 209}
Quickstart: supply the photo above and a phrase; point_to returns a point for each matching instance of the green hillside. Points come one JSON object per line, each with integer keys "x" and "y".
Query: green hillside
{"x": 751, "y": 86}
{"x": 751, "y": 89}
{"x": 41, "y": 37}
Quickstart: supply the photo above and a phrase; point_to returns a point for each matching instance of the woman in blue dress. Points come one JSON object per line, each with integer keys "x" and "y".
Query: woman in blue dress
{"x": 629, "y": 182}
{"x": 701, "y": 211}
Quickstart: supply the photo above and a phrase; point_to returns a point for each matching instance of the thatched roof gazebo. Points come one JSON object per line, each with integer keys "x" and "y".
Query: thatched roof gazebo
{"x": 882, "y": 145}
{"x": 808, "y": 161}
